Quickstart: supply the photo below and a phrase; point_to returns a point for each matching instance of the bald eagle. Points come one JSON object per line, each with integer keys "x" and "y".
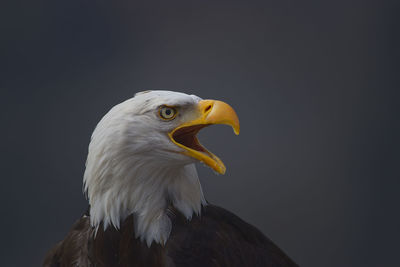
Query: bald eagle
{"x": 146, "y": 205}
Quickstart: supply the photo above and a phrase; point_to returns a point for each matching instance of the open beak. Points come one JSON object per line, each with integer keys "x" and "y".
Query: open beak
{"x": 208, "y": 112}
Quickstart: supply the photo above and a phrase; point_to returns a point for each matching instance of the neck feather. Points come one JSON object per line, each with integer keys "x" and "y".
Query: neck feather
{"x": 144, "y": 191}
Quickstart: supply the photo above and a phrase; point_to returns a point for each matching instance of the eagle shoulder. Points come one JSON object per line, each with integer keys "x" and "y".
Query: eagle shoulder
{"x": 220, "y": 238}
{"x": 73, "y": 250}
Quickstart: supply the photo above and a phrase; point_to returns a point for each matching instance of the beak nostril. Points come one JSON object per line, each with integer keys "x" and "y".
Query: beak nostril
{"x": 207, "y": 108}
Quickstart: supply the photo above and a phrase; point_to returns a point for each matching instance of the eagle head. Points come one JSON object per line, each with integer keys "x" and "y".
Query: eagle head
{"x": 141, "y": 159}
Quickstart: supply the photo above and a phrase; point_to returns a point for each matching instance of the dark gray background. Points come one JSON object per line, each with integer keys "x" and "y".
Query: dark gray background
{"x": 315, "y": 84}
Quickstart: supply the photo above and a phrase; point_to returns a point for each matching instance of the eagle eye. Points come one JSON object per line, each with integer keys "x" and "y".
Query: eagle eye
{"x": 167, "y": 113}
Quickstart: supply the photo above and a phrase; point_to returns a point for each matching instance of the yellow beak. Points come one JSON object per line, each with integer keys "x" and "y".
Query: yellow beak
{"x": 207, "y": 112}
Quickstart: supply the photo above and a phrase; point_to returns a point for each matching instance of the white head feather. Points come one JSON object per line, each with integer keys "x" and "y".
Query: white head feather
{"x": 133, "y": 167}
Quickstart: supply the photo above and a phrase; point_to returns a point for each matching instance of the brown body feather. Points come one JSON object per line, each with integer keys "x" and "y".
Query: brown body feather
{"x": 217, "y": 238}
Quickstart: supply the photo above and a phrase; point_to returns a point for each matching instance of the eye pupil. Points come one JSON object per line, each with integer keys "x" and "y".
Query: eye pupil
{"x": 168, "y": 112}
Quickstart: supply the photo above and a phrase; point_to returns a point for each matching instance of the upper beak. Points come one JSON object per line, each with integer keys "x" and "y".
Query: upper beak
{"x": 207, "y": 112}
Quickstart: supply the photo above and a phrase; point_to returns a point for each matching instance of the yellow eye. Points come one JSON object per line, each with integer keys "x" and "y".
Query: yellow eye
{"x": 167, "y": 113}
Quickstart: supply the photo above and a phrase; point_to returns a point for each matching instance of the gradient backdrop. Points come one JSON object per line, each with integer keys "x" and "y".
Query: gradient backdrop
{"x": 315, "y": 84}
